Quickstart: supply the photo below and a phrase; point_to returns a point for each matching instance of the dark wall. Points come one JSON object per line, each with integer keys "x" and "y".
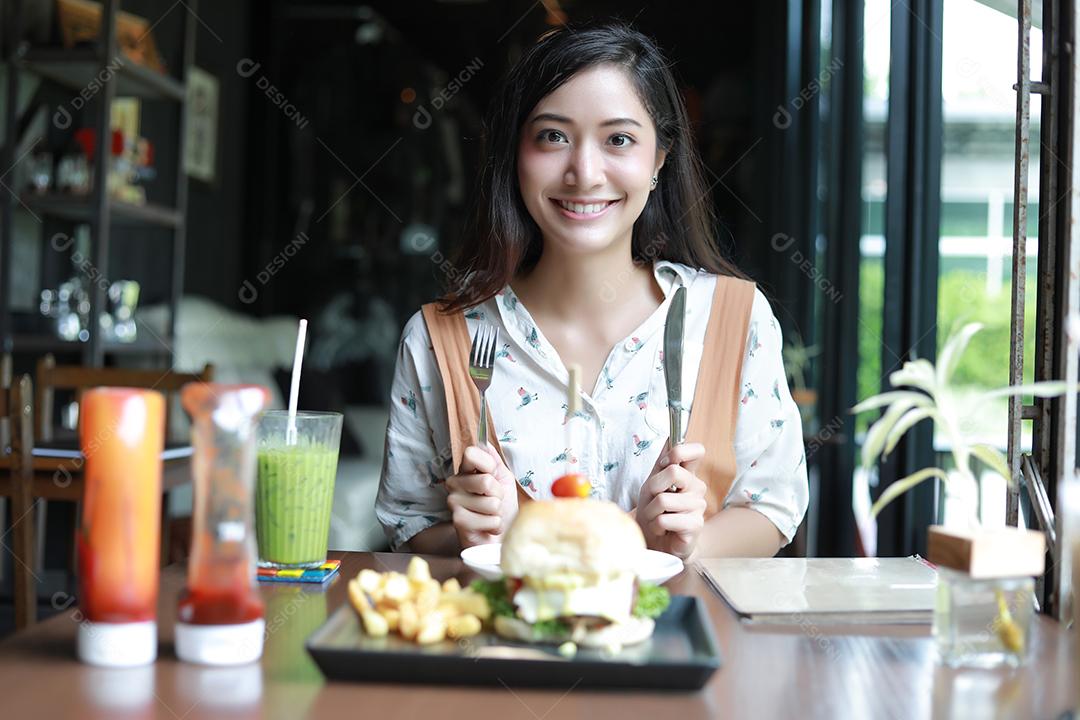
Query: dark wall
{"x": 216, "y": 234}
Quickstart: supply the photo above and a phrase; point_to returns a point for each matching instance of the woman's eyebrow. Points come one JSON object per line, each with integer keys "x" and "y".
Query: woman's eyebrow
{"x": 552, "y": 117}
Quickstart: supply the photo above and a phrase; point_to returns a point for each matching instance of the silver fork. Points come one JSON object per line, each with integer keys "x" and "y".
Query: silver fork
{"x": 481, "y": 362}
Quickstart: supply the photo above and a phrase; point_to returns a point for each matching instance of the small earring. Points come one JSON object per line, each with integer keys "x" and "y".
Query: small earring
{"x": 654, "y": 181}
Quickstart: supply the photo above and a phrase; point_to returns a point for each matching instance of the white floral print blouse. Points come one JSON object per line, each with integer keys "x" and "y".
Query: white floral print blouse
{"x": 619, "y": 431}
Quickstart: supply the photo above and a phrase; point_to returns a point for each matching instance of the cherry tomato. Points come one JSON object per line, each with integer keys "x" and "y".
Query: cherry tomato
{"x": 571, "y": 486}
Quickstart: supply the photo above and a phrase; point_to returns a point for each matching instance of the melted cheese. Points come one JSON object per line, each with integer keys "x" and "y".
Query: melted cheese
{"x": 612, "y": 600}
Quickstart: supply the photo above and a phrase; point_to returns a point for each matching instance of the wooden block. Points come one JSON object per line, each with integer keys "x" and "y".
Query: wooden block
{"x": 988, "y": 553}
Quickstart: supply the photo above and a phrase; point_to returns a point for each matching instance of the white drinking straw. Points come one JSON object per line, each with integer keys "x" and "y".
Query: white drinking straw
{"x": 294, "y": 387}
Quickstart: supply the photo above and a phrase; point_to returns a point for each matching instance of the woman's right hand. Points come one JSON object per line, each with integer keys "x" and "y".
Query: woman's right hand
{"x": 482, "y": 497}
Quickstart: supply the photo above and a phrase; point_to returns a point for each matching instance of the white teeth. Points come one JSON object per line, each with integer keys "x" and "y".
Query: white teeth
{"x": 590, "y": 209}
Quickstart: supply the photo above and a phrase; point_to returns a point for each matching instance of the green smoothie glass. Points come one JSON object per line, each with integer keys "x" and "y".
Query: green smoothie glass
{"x": 294, "y": 492}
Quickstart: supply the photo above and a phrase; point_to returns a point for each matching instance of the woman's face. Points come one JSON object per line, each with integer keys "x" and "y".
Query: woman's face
{"x": 586, "y": 159}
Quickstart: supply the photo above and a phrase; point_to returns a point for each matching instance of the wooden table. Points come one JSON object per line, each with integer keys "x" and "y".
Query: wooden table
{"x": 767, "y": 673}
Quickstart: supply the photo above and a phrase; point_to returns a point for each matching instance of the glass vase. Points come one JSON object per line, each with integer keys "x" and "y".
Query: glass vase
{"x": 983, "y": 623}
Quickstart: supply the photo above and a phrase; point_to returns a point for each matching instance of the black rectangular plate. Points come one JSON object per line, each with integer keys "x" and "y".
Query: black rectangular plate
{"x": 681, "y": 655}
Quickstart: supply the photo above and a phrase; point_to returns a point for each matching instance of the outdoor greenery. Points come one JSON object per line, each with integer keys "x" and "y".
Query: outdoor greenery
{"x": 962, "y": 299}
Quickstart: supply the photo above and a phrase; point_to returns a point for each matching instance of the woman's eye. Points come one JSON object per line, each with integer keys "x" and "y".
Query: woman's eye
{"x": 553, "y": 136}
{"x": 621, "y": 140}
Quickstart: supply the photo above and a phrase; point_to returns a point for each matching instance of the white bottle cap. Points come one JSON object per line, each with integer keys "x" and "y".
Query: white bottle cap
{"x": 220, "y": 644}
{"x": 118, "y": 644}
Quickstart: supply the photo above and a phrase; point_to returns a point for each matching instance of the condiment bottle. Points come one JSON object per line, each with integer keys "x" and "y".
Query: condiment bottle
{"x": 122, "y": 435}
{"x": 220, "y": 618}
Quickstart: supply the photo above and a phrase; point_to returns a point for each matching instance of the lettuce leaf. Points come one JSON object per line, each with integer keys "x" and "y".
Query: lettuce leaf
{"x": 652, "y": 600}
{"x": 546, "y": 629}
{"x": 497, "y": 594}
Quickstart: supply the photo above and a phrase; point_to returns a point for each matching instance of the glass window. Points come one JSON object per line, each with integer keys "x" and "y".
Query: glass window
{"x": 876, "y": 24}
{"x": 978, "y": 71}
{"x": 965, "y": 218}
{"x": 1033, "y": 206}
{"x": 876, "y": 52}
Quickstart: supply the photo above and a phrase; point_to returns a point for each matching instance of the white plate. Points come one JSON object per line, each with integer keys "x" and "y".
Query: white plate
{"x": 655, "y": 566}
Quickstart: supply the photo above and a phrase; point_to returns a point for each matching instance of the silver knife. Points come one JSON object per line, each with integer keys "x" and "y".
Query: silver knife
{"x": 673, "y": 347}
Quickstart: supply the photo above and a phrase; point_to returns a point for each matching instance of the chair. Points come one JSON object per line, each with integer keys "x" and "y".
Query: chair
{"x": 16, "y": 478}
{"x": 51, "y": 377}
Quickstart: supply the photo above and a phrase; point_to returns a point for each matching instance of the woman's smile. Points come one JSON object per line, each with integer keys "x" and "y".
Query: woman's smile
{"x": 584, "y": 209}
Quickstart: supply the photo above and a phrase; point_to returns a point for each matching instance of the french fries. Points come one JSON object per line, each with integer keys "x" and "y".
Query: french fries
{"x": 416, "y": 606}
{"x": 463, "y": 626}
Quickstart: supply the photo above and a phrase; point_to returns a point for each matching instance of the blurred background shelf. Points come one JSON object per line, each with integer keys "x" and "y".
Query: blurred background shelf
{"x": 80, "y": 209}
{"x": 75, "y": 88}
{"x": 82, "y": 68}
{"x": 40, "y": 343}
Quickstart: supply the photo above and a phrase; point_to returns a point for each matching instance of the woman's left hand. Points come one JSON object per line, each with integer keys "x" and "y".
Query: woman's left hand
{"x": 671, "y": 504}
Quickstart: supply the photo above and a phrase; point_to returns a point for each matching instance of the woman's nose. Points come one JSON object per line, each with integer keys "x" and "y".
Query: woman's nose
{"x": 586, "y": 167}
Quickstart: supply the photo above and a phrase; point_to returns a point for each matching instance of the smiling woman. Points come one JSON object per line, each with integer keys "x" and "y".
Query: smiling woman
{"x": 577, "y": 164}
{"x": 582, "y": 104}
{"x": 591, "y": 212}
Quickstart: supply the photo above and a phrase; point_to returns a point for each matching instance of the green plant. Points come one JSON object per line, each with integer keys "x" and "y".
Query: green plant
{"x": 926, "y": 392}
{"x": 933, "y": 394}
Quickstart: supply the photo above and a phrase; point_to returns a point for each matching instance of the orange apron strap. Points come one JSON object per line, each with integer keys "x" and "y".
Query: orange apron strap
{"x": 451, "y": 342}
{"x": 715, "y": 409}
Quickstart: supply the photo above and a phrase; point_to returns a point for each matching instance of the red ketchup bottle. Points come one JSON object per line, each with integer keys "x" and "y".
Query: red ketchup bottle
{"x": 220, "y": 618}
{"x": 122, "y": 434}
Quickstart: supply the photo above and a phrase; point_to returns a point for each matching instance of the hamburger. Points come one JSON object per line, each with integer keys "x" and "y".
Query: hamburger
{"x": 569, "y": 575}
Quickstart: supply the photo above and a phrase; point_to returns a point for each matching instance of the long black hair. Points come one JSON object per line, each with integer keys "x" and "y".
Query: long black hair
{"x": 678, "y": 222}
